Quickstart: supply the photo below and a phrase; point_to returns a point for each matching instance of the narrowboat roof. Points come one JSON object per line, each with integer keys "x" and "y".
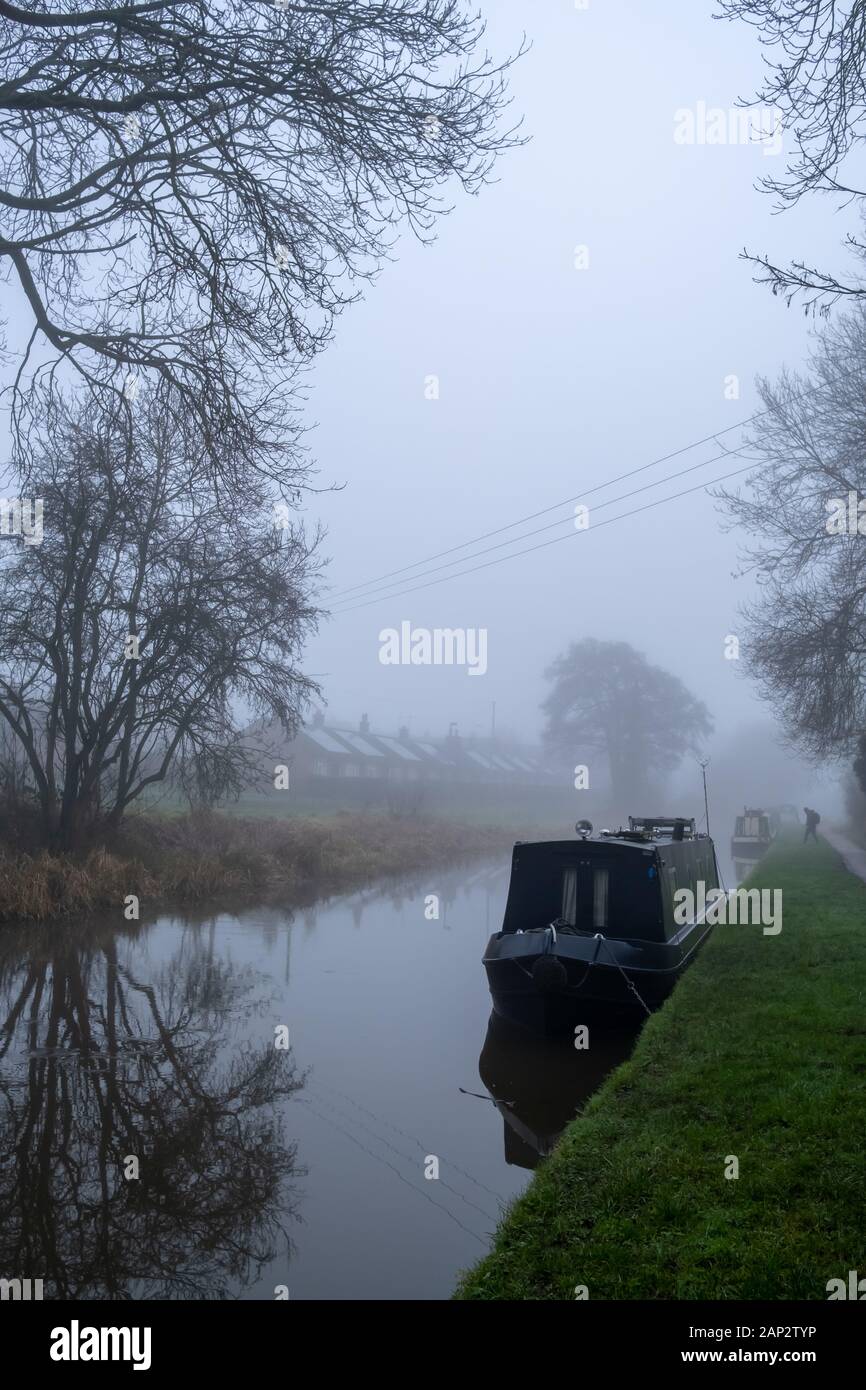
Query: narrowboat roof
{"x": 643, "y": 833}
{"x": 577, "y": 842}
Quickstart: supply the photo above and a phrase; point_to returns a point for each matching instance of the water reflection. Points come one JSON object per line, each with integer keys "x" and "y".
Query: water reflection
{"x": 155, "y": 1041}
{"x": 540, "y": 1084}
{"x": 744, "y": 867}
{"x": 102, "y": 1066}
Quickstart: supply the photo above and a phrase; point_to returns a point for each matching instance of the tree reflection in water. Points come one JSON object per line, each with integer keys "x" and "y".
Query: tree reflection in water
{"x": 96, "y": 1065}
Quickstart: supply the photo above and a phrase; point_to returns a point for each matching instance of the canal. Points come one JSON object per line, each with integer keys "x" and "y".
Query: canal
{"x": 263, "y": 1103}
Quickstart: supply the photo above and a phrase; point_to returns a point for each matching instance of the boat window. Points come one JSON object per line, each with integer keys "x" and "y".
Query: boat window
{"x": 599, "y": 898}
{"x": 569, "y": 897}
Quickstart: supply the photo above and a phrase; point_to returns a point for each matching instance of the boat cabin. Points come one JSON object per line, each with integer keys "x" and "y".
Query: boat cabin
{"x": 620, "y": 883}
{"x": 753, "y": 825}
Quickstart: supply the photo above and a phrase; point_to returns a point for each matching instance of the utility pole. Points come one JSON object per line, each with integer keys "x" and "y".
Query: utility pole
{"x": 704, "y": 764}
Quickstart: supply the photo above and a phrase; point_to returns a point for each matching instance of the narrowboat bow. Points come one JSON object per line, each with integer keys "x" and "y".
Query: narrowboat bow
{"x": 589, "y": 923}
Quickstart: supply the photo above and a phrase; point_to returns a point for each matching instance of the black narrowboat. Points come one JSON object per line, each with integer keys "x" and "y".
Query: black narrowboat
{"x": 753, "y": 835}
{"x": 589, "y": 923}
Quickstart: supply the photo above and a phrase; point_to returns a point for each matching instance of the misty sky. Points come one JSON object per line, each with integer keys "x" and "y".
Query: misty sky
{"x": 554, "y": 379}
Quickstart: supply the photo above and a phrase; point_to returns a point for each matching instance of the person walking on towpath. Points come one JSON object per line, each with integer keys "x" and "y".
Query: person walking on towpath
{"x": 812, "y": 819}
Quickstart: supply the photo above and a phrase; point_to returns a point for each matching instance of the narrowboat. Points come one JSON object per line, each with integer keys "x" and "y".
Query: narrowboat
{"x": 753, "y": 835}
{"x": 589, "y": 923}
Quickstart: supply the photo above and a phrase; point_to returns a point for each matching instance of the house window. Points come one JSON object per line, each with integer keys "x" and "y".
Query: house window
{"x": 351, "y": 770}
{"x": 320, "y": 768}
{"x": 599, "y": 897}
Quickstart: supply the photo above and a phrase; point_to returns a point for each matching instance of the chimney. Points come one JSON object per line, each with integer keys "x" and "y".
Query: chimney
{"x": 318, "y": 719}
{"x": 403, "y": 731}
{"x": 364, "y": 726}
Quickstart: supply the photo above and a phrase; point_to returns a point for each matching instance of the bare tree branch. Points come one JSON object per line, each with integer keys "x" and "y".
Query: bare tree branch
{"x": 195, "y": 189}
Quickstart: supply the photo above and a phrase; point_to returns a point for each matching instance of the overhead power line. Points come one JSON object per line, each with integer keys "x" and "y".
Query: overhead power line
{"x": 549, "y": 526}
{"x": 544, "y": 511}
{"x": 542, "y": 545}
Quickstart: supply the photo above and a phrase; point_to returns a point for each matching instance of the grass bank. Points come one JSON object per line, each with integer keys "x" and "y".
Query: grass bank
{"x": 192, "y": 858}
{"x": 759, "y": 1053}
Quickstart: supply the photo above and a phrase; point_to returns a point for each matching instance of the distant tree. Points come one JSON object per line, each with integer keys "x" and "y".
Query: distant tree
{"x": 192, "y": 189}
{"x": 859, "y": 766}
{"x": 816, "y": 80}
{"x": 131, "y": 637}
{"x": 606, "y": 698}
{"x": 803, "y": 510}
{"x": 855, "y": 806}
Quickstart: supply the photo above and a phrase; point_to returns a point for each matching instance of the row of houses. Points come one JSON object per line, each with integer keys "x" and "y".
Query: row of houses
{"x": 335, "y": 751}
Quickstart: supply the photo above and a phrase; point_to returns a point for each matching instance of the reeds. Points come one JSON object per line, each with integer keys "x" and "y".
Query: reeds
{"x": 194, "y": 857}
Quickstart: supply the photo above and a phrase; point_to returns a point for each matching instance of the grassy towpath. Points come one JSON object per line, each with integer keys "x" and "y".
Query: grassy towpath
{"x": 759, "y": 1054}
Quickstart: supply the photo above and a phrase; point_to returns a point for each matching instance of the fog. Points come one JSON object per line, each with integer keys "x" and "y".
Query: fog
{"x": 554, "y": 379}
{"x": 382, "y": 740}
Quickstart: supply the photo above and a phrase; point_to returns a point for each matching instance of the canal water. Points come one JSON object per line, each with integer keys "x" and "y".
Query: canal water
{"x": 264, "y": 1103}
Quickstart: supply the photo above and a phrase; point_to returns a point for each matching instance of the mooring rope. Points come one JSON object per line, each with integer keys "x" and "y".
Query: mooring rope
{"x": 631, "y": 986}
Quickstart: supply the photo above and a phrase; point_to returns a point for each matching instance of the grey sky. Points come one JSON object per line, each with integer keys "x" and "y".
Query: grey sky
{"x": 553, "y": 379}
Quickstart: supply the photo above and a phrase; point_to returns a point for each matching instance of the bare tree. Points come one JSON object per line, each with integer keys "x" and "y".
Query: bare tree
{"x": 193, "y": 189}
{"x": 859, "y": 765}
{"x": 805, "y": 635}
{"x": 606, "y": 698}
{"x": 816, "y": 80}
{"x": 133, "y": 635}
